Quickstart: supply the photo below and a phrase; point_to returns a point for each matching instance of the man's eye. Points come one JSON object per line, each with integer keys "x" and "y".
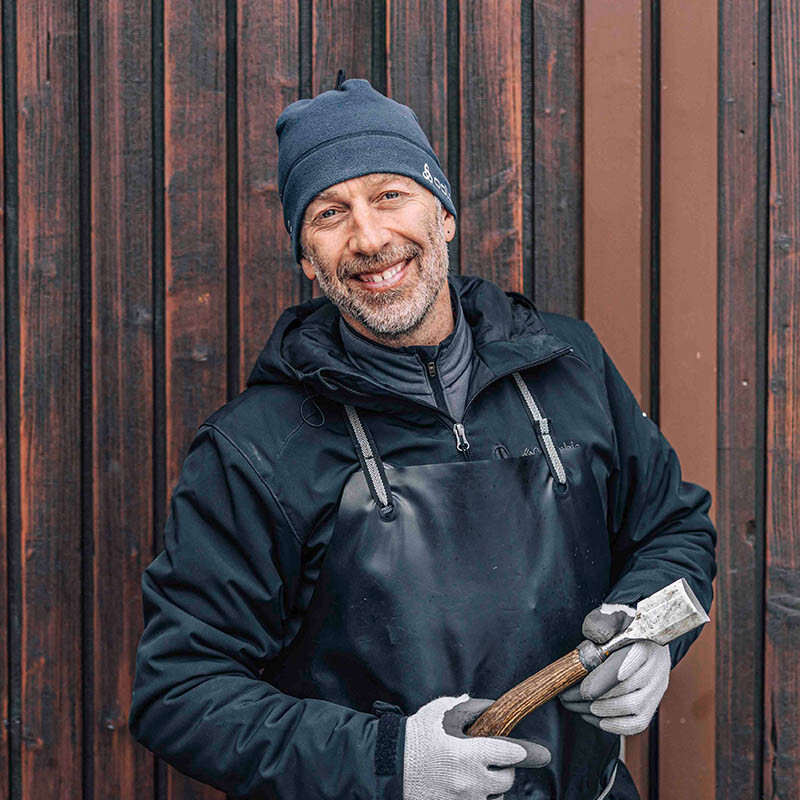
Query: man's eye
{"x": 322, "y": 215}
{"x": 391, "y": 191}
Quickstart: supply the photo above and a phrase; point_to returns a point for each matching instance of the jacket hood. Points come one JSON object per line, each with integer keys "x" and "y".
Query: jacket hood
{"x": 305, "y": 345}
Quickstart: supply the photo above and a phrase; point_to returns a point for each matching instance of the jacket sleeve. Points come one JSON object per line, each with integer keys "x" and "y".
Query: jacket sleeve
{"x": 214, "y": 613}
{"x": 659, "y": 524}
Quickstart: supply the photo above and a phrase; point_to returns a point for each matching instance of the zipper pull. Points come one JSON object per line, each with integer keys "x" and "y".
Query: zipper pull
{"x": 432, "y": 369}
{"x": 461, "y": 437}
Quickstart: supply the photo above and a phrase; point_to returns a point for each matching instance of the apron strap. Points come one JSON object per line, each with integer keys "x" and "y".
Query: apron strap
{"x": 542, "y": 427}
{"x": 371, "y": 463}
{"x": 372, "y": 466}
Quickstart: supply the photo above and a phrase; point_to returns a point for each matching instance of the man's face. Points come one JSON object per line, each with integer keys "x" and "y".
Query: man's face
{"x": 367, "y": 227}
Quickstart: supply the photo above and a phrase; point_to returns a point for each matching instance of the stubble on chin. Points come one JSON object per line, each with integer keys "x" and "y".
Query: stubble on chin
{"x": 394, "y": 312}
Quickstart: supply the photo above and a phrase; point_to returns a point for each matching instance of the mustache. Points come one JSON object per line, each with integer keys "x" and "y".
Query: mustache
{"x": 374, "y": 264}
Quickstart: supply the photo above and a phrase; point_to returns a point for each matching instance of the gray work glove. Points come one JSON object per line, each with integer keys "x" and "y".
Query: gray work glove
{"x": 622, "y": 694}
{"x": 442, "y": 763}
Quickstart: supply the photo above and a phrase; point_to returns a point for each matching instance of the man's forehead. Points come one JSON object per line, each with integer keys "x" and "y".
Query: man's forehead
{"x": 371, "y": 179}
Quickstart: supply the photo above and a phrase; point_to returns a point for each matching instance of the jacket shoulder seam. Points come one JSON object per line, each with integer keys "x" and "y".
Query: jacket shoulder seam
{"x": 591, "y": 369}
{"x": 286, "y": 440}
{"x": 578, "y": 341}
{"x": 295, "y": 429}
{"x": 600, "y": 382}
{"x": 258, "y": 475}
{"x": 594, "y": 369}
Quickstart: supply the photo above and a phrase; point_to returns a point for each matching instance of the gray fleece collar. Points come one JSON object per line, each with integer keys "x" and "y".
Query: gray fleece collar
{"x": 403, "y": 368}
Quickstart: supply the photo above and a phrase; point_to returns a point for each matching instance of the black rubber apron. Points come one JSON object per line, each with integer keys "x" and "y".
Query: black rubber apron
{"x": 460, "y": 577}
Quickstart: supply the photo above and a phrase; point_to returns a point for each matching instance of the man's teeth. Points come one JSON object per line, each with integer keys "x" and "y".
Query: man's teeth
{"x": 382, "y": 276}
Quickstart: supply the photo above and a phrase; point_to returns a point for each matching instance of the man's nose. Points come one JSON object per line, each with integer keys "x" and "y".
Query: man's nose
{"x": 368, "y": 233}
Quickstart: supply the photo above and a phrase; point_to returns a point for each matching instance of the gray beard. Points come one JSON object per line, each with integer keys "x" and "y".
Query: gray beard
{"x": 386, "y": 315}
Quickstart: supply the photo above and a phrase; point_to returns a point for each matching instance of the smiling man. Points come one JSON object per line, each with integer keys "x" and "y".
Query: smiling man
{"x": 377, "y": 246}
{"x": 428, "y": 491}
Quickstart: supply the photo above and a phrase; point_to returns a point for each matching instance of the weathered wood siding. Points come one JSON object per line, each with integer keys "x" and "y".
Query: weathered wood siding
{"x": 633, "y": 164}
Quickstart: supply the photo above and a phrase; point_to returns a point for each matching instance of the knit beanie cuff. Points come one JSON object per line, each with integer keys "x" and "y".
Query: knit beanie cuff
{"x": 351, "y": 156}
{"x": 344, "y": 133}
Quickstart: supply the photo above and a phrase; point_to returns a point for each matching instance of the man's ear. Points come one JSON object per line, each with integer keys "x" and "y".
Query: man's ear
{"x": 449, "y": 225}
{"x": 308, "y": 268}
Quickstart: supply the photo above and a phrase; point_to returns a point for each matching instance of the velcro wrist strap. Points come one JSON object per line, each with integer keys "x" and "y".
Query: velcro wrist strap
{"x": 386, "y": 744}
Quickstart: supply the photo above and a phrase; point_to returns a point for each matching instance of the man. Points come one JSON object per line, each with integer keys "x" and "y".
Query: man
{"x": 428, "y": 491}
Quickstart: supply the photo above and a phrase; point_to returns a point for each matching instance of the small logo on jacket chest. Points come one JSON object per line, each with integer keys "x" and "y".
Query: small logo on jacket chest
{"x": 563, "y": 446}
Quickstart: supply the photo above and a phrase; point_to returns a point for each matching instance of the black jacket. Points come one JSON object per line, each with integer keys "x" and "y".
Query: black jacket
{"x": 256, "y": 502}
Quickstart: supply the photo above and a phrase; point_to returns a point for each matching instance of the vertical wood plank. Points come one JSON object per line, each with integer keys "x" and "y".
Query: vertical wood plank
{"x": 527, "y": 78}
{"x": 490, "y": 207}
{"x": 557, "y": 229}
{"x": 342, "y": 38}
{"x": 5, "y": 682}
{"x": 416, "y": 65}
{"x": 782, "y": 667}
{"x": 122, "y": 385}
{"x": 688, "y": 348}
{"x": 417, "y": 72}
{"x": 739, "y": 603}
{"x": 195, "y": 217}
{"x": 616, "y": 212}
{"x": 268, "y": 70}
{"x": 50, "y": 479}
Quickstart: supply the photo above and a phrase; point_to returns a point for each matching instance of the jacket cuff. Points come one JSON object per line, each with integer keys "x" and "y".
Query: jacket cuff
{"x": 389, "y": 749}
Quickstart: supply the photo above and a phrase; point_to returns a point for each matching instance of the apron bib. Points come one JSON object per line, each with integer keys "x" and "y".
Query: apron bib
{"x": 460, "y": 577}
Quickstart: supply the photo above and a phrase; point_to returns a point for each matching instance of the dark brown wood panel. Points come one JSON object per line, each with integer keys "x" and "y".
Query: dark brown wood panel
{"x": 498, "y": 89}
{"x": 557, "y": 224}
{"x": 122, "y": 384}
{"x": 196, "y": 254}
{"x": 49, "y": 397}
{"x": 738, "y": 602}
{"x": 5, "y": 684}
{"x": 341, "y": 39}
{"x": 782, "y": 639}
{"x": 268, "y": 80}
{"x": 490, "y": 202}
{"x": 416, "y": 65}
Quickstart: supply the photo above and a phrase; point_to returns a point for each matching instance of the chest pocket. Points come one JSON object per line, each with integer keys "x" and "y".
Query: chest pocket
{"x": 373, "y": 467}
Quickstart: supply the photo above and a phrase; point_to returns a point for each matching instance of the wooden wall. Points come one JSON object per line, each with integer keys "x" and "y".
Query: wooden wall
{"x": 632, "y": 164}
{"x": 758, "y": 685}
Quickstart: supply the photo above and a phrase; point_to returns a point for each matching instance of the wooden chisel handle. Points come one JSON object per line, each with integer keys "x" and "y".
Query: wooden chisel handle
{"x": 666, "y": 614}
{"x": 504, "y": 714}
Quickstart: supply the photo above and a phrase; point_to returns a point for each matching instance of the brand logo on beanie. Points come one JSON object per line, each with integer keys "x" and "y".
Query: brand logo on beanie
{"x": 426, "y": 173}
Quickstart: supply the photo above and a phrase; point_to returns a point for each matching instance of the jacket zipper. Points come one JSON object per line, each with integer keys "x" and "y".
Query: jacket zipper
{"x": 461, "y": 437}
{"x": 457, "y": 428}
{"x": 462, "y": 443}
{"x": 436, "y": 385}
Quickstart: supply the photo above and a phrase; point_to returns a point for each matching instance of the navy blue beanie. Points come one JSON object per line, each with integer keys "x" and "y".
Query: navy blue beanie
{"x": 343, "y": 133}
